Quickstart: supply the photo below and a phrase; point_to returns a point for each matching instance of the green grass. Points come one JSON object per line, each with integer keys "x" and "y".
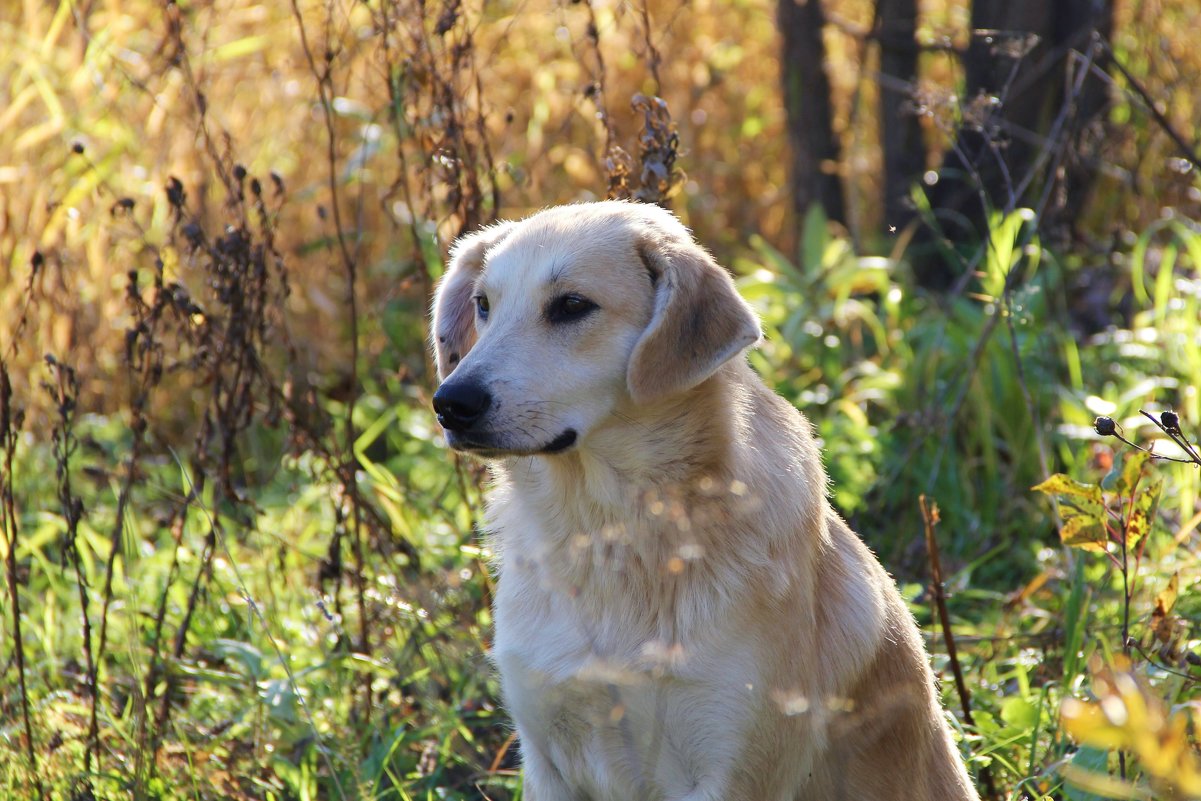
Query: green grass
{"x": 274, "y": 696}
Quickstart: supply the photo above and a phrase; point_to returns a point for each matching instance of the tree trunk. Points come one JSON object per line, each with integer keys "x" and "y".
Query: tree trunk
{"x": 813, "y": 173}
{"x": 1086, "y": 126}
{"x": 900, "y": 132}
{"x": 1017, "y": 73}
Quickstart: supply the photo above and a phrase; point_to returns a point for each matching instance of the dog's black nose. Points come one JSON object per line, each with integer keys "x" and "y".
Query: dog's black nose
{"x": 460, "y": 404}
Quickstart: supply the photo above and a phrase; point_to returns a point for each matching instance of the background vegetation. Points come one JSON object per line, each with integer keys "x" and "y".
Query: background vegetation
{"x": 238, "y": 562}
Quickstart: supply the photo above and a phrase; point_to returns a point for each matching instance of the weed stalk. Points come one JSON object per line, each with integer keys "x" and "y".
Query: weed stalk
{"x": 930, "y": 518}
{"x": 64, "y": 391}
{"x": 10, "y": 422}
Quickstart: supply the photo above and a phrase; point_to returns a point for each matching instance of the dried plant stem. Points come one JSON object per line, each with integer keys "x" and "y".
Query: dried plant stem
{"x": 393, "y": 58}
{"x": 930, "y": 520}
{"x": 1126, "y": 593}
{"x": 9, "y": 423}
{"x": 181, "y": 634}
{"x": 177, "y": 526}
{"x": 65, "y": 392}
{"x": 135, "y": 454}
{"x": 350, "y": 264}
{"x": 1182, "y": 146}
{"x": 652, "y": 53}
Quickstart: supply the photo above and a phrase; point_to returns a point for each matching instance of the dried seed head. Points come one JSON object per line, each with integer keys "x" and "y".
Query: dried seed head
{"x": 194, "y": 234}
{"x": 1105, "y": 426}
{"x": 175, "y": 192}
{"x": 1170, "y": 421}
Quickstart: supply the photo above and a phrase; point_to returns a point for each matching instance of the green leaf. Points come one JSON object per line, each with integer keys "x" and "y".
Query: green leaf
{"x": 1075, "y": 620}
{"x": 1087, "y": 760}
{"x": 1019, "y": 712}
{"x": 1143, "y": 515}
{"x": 1132, "y": 471}
{"x": 813, "y": 239}
{"x": 250, "y": 657}
{"x": 1084, "y": 499}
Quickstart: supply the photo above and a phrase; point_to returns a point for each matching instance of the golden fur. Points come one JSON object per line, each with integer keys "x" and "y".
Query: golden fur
{"x": 680, "y": 614}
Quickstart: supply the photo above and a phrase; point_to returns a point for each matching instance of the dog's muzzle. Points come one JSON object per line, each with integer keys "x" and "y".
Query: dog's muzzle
{"x": 462, "y": 406}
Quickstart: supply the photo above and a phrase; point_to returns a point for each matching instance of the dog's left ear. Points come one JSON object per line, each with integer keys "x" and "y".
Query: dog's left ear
{"x": 452, "y": 329}
{"x": 700, "y": 322}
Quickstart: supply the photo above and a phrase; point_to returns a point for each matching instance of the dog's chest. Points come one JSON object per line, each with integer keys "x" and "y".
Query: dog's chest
{"x": 621, "y": 701}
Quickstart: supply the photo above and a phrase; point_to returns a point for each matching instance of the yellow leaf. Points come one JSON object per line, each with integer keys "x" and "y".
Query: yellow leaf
{"x": 237, "y": 48}
{"x": 1060, "y": 484}
{"x": 1086, "y": 723}
{"x": 1166, "y": 598}
{"x": 1126, "y": 716}
{"x": 1082, "y": 531}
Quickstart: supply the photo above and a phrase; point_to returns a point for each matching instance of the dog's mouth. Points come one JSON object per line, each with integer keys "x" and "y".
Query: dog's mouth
{"x": 484, "y": 444}
{"x": 561, "y": 442}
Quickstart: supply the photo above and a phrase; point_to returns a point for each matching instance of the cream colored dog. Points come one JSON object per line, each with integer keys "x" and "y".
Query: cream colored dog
{"x": 680, "y": 615}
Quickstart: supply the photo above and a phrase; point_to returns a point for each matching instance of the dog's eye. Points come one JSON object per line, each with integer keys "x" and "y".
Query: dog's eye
{"x": 567, "y": 308}
{"x": 481, "y": 306}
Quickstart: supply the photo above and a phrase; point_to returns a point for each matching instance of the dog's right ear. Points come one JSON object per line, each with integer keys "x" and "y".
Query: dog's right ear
{"x": 452, "y": 331}
{"x": 700, "y": 321}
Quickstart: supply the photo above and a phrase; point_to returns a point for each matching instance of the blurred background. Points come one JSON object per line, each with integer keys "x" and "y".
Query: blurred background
{"x": 239, "y": 562}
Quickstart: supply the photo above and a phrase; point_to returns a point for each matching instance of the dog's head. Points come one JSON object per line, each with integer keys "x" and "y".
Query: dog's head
{"x": 543, "y": 329}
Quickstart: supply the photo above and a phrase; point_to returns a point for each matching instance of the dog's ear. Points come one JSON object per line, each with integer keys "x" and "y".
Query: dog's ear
{"x": 453, "y": 328}
{"x": 699, "y": 323}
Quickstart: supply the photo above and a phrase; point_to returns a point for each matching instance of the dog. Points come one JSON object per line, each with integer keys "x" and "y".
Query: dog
{"x": 680, "y": 614}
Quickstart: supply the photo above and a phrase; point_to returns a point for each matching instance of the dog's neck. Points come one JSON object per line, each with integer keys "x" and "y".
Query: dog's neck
{"x": 648, "y": 506}
{"x": 675, "y": 447}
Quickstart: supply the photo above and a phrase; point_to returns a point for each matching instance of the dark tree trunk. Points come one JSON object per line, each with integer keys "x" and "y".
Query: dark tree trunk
{"x": 813, "y": 173}
{"x": 900, "y": 132}
{"x": 1086, "y": 125}
{"x": 1017, "y": 81}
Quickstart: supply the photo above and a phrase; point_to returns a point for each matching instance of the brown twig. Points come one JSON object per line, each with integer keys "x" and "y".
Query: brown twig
{"x": 930, "y": 518}
{"x": 181, "y": 634}
{"x": 176, "y": 525}
{"x": 652, "y": 53}
{"x": 1106, "y": 427}
{"x": 64, "y": 391}
{"x": 596, "y": 89}
{"x": 350, "y": 265}
{"x": 144, "y": 370}
{"x": 10, "y": 422}
{"x": 1186, "y": 150}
